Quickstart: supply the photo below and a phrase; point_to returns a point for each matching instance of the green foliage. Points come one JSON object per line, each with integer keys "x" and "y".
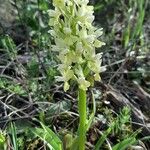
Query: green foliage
{"x": 123, "y": 145}
{"x": 33, "y": 68}
{"x": 59, "y": 107}
{"x": 48, "y": 136}
{"x": 2, "y": 141}
{"x": 131, "y": 34}
{"x": 104, "y": 136}
{"x": 13, "y": 133}
{"x": 12, "y": 87}
{"x": 119, "y": 125}
{"x": 122, "y": 123}
{"x": 10, "y": 47}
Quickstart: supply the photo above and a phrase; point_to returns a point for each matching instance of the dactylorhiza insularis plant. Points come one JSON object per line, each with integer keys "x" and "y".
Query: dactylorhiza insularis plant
{"x": 75, "y": 41}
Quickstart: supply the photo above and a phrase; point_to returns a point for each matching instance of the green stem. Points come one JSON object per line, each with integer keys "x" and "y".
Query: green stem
{"x": 82, "y": 121}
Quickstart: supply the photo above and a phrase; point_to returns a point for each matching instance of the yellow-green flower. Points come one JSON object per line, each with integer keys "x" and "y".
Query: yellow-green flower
{"x": 75, "y": 40}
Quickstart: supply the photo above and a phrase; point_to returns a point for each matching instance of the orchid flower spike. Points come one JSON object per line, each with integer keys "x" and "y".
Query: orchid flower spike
{"x": 75, "y": 40}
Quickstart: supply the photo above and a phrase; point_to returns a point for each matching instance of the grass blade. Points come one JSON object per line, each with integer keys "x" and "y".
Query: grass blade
{"x": 48, "y": 136}
{"x": 103, "y": 137}
{"x": 14, "y": 136}
{"x": 124, "y": 144}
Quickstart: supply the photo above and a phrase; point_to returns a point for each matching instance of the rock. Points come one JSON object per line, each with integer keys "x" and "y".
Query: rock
{"x": 7, "y": 13}
{"x": 9, "y": 25}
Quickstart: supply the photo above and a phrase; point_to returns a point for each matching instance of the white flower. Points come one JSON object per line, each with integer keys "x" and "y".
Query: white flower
{"x": 79, "y": 47}
{"x": 52, "y": 32}
{"x": 98, "y": 32}
{"x": 83, "y": 34}
{"x": 90, "y": 38}
{"x": 98, "y": 43}
{"x": 66, "y": 75}
{"x": 67, "y": 30}
{"x": 66, "y": 86}
{"x": 55, "y": 48}
{"x": 83, "y": 84}
{"x": 75, "y": 42}
{"x": 59, "y": 3}
{"x": 97, "y": 77}
{"x": 53, "y": 13}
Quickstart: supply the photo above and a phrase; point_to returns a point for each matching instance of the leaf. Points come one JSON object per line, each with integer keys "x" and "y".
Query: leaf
{"x": 67, "y": 141}
{"x": 48, "y": 136}
{"x": 104, "y": 136}
{"x": 43, "y": 5}
{"x": 2, "y": 138}
{"x": 91, "y": 118}
{"x": 124, "y": 144}
{"x": 58, "y": 108}
{"x": 2, "y": 141}
{"x": 14, "y": 136}
{"x": 127, "y": 142}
